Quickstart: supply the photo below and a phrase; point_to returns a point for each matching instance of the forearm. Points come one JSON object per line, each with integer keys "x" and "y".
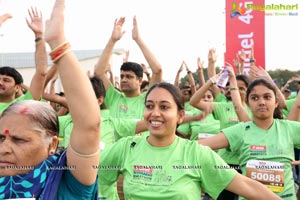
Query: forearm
{"x": 192, "y": 81}
{"x": 176, "y": 82}
{"x": 151, "y": 60}
{"x": 237, "y": 102}
{"x": 211, "y": 70}
{"x": 39, "y": 77}
{"x": 196, "y": 98}
{"x": 201, "y": 77}
{"x": 294, "y": 113}
{"x": 104, "y": 59}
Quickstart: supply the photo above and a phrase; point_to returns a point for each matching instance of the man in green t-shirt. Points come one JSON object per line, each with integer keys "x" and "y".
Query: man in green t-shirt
{"x": 11, "y": 80}
{"x": 129, "y": 103}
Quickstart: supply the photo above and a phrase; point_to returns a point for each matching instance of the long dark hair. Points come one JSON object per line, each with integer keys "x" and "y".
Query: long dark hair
{"x": 277, "y": 112}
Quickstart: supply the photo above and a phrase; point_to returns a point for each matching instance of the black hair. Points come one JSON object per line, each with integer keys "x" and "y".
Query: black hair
{"x": 173, "y": 90}
{"x": 134, "y": 67}
{"x": 144, "y": 84}
{"x": 243, "y": 78}
{"x": 12, "y": 72}
{"x": 99, "y": 89}
{"x": 277, "y": 112}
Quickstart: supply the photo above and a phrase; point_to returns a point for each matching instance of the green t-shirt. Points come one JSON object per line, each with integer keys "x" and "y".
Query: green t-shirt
{"x": 121, "y": 106}
{"x": 225, "y": 112}
{"x": 178, "y": 171}
{"x": 186, "y": 127}
{"x": 289, "y": 104}
{"x": 209, "y": 125}
{"x": 275, "y": 144}
{"x": 112, "y": 129}
{"x": 26, "y": 96}
{"x": 220, "y": 98}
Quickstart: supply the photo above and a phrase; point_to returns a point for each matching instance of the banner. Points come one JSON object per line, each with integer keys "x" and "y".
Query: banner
{"x": 245, "y": 27}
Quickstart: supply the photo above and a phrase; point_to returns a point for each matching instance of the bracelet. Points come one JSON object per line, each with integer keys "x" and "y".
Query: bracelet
{"x": 83, "y": 155}
{"x": 60, "y": 51}
{"x": 38, "y": 39}
{"x": 234, "y": 88}
{"x": 147, "y": 74}
{"x": 213, "y": 81}
{"x": 61, "y": 55}
{"x": 189, "y": 72}
{"x": 252, "y": 60}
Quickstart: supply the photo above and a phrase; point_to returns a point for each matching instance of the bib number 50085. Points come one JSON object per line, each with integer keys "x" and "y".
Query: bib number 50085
{"x": 265, "y": 177}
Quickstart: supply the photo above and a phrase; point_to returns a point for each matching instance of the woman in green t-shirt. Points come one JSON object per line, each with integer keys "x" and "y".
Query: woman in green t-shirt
{"x": 266, "y": 143}
{"x": 164, "y": 166}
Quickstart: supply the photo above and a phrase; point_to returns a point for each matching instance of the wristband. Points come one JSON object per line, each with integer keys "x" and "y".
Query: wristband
{"x": 38, "y": 39}
{"x": 212, "y": 81}
{"x": 231, "y": 89}
{"x": 252, "y": 60}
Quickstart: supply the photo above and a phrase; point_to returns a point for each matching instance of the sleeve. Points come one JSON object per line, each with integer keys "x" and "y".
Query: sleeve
{"x": 215, "y": 173}
{"x": 123, "y": 127}
{"x": 220, "y": 98}
{"x": 70, "y": 188}
{"x": 26, "y": 96}
{"x": 234, "y": 136}
{"x": 111, "y": 162}
{"x": 294, "y": 129}
{"x": 111, "y": 93}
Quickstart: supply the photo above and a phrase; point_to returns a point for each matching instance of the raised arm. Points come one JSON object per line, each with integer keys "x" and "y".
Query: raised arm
{"x": 196, "y": 98}
{"x": 83, "y": 150}
{"x": 38, "y": 80}
{"x": 211, "y": 68}
{"x": 294, "y": 113}
{"x": 104, "y": 59}
{"x": 200, "y": 72}
{"x": 236, "y": 98}
{"x": 191, "y": 79}
{"x": 149, "y": 56}
{"x": 177, "y": 78}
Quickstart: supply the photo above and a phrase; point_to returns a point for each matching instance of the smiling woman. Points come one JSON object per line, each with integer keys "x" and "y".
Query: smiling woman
{"x": 163, "y": 166}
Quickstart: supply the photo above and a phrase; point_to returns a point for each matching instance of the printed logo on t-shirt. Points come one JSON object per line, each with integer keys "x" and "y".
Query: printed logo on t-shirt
{"x": 258, "y": 150}
{"x": 123, "y": 108}
{"x": 142, "y": 172}
{"x": 233, "y": 120}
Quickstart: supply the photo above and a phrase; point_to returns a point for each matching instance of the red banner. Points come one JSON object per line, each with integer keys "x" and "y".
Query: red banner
{"x": 245, "y": 27}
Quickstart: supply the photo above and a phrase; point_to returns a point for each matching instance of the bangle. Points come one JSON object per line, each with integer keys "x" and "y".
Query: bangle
{"x": 252, "y": 60}
{"x": 234, "y": 88}
{"x": 60, "y": 51}
{"x": 38, "y": 39}
{"x": 213, "y": 81}
{"x": 83, "y": 155}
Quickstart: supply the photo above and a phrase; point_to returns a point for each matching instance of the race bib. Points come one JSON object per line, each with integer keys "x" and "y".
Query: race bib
{"x": 268, "y": 173}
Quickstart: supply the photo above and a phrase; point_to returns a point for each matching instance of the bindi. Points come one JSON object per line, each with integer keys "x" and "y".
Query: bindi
{"x": 6, "y": 131}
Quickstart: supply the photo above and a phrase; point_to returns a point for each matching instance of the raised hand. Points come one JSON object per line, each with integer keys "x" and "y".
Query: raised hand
{"x": 117, "y": 30}
{"x": 135, "y": 30}
{"x": 36, "y": 21}
{"x": 54, "y": 32}
{"x": 4, "y": 17}
{"x": 199, "y": 63}
{"x": 212, "y": 55}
